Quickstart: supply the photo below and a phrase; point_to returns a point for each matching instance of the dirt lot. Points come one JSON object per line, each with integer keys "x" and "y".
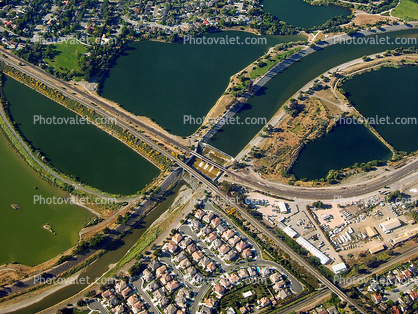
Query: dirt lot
{"x": 365, "y": 18}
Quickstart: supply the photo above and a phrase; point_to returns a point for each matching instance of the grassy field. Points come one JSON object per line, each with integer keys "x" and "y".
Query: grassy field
{"x": 64, "y": 56}
{"x": 270, "y": 62}
{"x": 407, "y": 10}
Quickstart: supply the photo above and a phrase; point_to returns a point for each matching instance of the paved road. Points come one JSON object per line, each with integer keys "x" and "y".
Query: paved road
{"x": 95, "y": 305}
{"x": 138, "y": 286}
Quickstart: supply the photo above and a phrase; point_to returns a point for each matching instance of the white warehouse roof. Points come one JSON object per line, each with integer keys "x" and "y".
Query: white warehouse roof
{"x": 283, "y": 207}
{"x": 290, "y": 232}
{"x": 390, "y": 224}
{"x": 313, "y": 250}
{"x": 338, "y": 268}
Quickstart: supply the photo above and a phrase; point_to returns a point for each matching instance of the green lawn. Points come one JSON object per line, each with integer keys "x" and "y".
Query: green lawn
{"x": 270, "y": 62}
{"x": 407, "y": 10}
{"x": 64, "y": 56}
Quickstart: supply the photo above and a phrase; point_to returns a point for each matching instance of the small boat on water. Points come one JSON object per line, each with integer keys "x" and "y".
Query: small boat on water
{"x": 15, "y": 206}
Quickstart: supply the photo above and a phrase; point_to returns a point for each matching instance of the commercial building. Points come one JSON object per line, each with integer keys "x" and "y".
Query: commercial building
{"x": 405, "y": 236}
{"x": 338, "y": 268}
{"x": 290, "y": 232}
{"x": 377, "y": 248}
{"x": 283, "y": 207}
{"x": 390, "y": 224}
{"x": 313, "y": 250}
{"x": 371, "y": 231}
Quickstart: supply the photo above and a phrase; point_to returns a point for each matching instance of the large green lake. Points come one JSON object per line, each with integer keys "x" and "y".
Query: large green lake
{"x": 301, "y": 14}
{"x": 284, "y": 85}
{"x": 393, "y": 93}
{"x": 22, "y": 237}
{"x": 81, "y": 150}
{"x": 169, "y": 81}
{"x": 342, "y": 147}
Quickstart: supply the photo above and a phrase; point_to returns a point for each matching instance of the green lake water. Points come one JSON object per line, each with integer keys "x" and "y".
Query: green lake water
{"x": 342, "y": 147}
{"x": 284, "y": 85}
{"x": 169, "y": 81}
{"x": 393, "y": 93}
{"x": 81, "y": 150}
{"x": 22, "y": 237}
{"x": 301, "y": 14}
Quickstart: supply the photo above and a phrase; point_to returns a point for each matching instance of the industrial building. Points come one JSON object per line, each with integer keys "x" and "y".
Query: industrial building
{"x": 405, "y": 236}
{"x": 377, "y": 249}
{"x": 290, "y": 232}
{"x": 390, "y": 224}
{"x": 371, "y": 231}
{"x": 283, "y": 208}
{"x": 338, "y": 268}
{"x": 313, "y": 250}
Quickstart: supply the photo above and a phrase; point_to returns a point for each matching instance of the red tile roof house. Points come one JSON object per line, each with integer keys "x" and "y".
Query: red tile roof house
{"x": 199, "y": 214}
{"x": 216, "y": 222}
{"x": 208, "y": 217}
{"x": 226, "y": 283}
{"x": 224, "y": 249}
{"x": 211, "y": 237}
{"x": 211, "y": 267}
{"x": 244, "y": 310}
{"x": 161, "y": 270}
{"x": 138, "y": 306}
{"x": 165, "y": 279}
{"x": 407, "y": 274}
{"x": 210, "y": 303}
{"x": 120, "y": 285}
{"x": 172, "y": 285}
{"x": 219, "y": 290}
{"x": 395, "y": 310}
{"x": 234, "y": 240}
{"x": 126, "y": 292}
{"x": 228, "y": 234}
{"x": 177, "y": 238}
{"x": 246, "y": 253}
{"x": 377, "y": 297}
{"x": 191, "y": 248}
{"x": 275, "y": 277}
{"x": 414, "y": 295}
{"x": 106, "y": 295}
{"x": 132, "y": 299}
{"x": 233, "y": 278}
{"x": 197, "y": 255}
{"x": 185, "y": 263}
{"x": 171, "y": 247}
{"x": 242, "y": 273}
{"x": 263, "y": 302}
{"x": 241, "y": 246}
